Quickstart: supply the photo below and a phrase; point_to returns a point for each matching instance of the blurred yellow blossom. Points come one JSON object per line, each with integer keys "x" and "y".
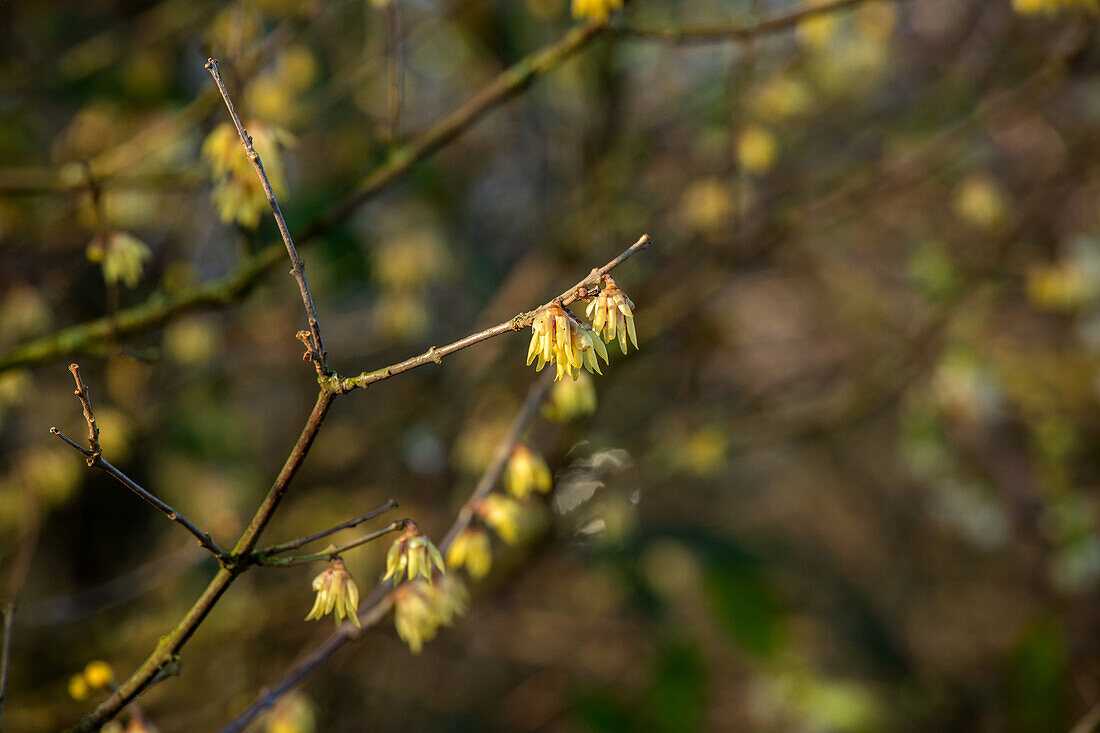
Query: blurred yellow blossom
{"x": 756, "y": 149}
{"x": 817, "y": 30}
{"x": 122, "y": 257}
{"x": 238, "y": 193}
{"x": 337, "y": 593}
{"x": 471, "y": 548}
{"x": 877, "y": 20}
{"x": 413, "y": 554}
{"x": 402, "y": 316}
{"x": 1056, "y": 287}
{"x": 570, "y": 398}
{"x": 53, "y": 473}
{"x": 502, "y": 514}
{"x": 980, "y": 201}
{"x": 595, "y": 9}
{"x": 420, "y": 609}
{"x": 557, "y": 337}
{"x": 98, "y": 674}
{"x": 612, "y": 314}
{"x": 78, "y": 687}
{"x": 706, "y": 204}
{"x": 292, "y": 714}
{"x": 191, "y": 341}
{"x": 411, "y": 260}
{"x": 781, "y": 97}
{"x": 526, "y": 472}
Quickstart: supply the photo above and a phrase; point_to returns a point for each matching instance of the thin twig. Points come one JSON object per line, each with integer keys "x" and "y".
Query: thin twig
{"x": 298, "y": 266}
{"x": 739, "y": 31}
{"x": 436, "y": 353}
{"x": 378, "y": 603}
{"x": 5, "y": 652}
{"x": 278, "y": 562}
{"x": 302, "y": 541}
{"x": 89, "y": 416}
{"x": 164, "y": 659}
{"x": 94, "y": 457}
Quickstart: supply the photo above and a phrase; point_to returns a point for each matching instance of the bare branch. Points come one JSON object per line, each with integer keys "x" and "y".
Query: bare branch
{"x": 436, "y": 353}
{"x": 94, "y": 457}
{"x": 378, "y": 603}
{"x": 5, "y": 651}
{"x": 89, "y": 416}
{"x": 298, "y": 266}
{"x": 302, "y": 541}
{"x": 261, "y": 558}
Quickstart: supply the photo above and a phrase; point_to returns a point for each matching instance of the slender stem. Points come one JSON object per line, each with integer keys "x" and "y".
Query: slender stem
{"x": 298, "y": 266}
{"x": 164, "y": 659}
{"x": 739, "y": 31}
{"x": 520, "y": 321}
{"x": 5, "y": 652}
{"x": 261, "y": 558}
{"x": 89, "y": 416}
{"x": 302, "y": 541}
{"x": 94, "y": 457}
{"x": 379, "y": 602}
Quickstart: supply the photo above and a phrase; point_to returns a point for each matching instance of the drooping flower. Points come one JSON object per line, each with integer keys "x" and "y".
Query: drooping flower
{"x": 238, "y": 193}
{"x": 526, "y": 472}
{"x": 612, "y": 314}
{"x": 570, "y": 398}
{"x": 502, "y": 514}
{"x": 122, "y": 257}
{"x": 411, "y": 555}
{"x": 595, "y": 9}
{"x": 420, "y": 609}
{"x": 557, "y": 337}
{"x": 472, "y": 549}
{"x": 336, "y": 593}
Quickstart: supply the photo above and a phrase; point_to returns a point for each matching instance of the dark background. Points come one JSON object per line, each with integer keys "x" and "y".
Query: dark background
{"x": 853, "y": 475}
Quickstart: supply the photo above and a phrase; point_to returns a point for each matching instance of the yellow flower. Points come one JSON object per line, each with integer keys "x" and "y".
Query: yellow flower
{"x": 756, "y": 149}
{"x": 595, "y": 9}
{"x": 336, "y": 593}
{"x": 78, "y": 687}
{"x": 571, "y": 398}
{"x": 98, "y": 674}
{"x": 557, "y": 337}
{"x": 420, "y": 609}
{"x": 122, "y": 257}
{"x": 411, "y": 555}
{"x": 982, "y": 202}
{"x": 502, "y": 514}
{"x": 237, "y": 190}
{"x": 612, "y": 314}
{"x": 471, "y": 548}
{"x": 526, "y": 472}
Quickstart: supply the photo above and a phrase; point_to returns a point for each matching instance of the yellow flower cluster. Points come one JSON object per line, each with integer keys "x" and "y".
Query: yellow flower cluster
{"x": 1038, "y": 7}
{"x": 238, "y": 193}
{"x": 411, "y": 555}
{"x": 557, "y": 337}
{"x": 595, "y": 9}
{"x": 472, "y": 549}
{"x": 97, "y": 675}
{"x": 612, "y": 314}
{"x": 526, "y": 472}
{"x": 122, "y": 257}
{"x": 336, "y": 592}
{"x": 419, "y": 609}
